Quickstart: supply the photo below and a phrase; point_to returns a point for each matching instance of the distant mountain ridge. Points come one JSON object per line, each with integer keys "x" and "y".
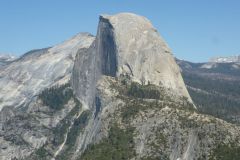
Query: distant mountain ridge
{"x": 6, "y": 58}
{"x": 227, "y": 59}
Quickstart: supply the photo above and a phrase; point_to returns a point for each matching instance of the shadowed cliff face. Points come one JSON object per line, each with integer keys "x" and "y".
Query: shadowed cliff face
{"x": 126, "y": 44}
{"x": 106, "y": 48}
{"x": 91, "y": 62}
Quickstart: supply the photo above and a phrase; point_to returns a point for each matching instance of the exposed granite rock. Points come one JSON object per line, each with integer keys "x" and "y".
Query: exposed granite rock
{"x": 163, "y": 129}
{"x": 24, "y": 78}
{"x": 86, "y": 72}
{"x": 126, "y": 45}
{"x": 129, "y": 44}
{"x": 26, "y": 124}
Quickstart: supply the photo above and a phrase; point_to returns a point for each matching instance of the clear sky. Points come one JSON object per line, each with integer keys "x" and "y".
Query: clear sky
{"x": 194, "y": 29}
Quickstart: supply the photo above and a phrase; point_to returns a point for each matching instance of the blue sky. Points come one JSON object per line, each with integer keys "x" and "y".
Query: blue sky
{"x": 194, "y": 29}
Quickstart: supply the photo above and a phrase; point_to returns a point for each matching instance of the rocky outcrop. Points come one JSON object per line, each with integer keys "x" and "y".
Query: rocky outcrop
{"x": 126, "y": 45}
{"x": 129, "y": 44}
{"x": 26, "y": 124}
{"x": 86, "y": 72}
{"x": 27, "y": 76}
{"x": 163, "y": 128}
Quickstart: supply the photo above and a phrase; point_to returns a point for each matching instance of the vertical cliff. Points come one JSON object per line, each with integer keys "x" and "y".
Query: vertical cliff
{"x": 136, "y": 49}
{"x": 126, "y": 45}
{"x": 106, "y": 47}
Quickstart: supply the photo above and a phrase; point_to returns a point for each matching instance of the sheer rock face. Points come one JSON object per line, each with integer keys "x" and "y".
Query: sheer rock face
{"x": 129, "y": 44}
{"x": 86, "y": 72}
{"x": 126, "y": 44}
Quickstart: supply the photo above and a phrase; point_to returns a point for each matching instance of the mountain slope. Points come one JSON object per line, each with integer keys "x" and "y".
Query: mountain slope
{"x": 39, "y": 69}
{"x": 139, "y": 50}
{"x": 214, "y": 88}
{"x": 117, "y": 96}
{"x": 137, "y": 53}
{"x": 228, "y": 59}
{"x": 26, "y": 121}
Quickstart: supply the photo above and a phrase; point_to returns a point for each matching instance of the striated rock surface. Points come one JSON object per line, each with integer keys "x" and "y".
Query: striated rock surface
{"x": 39, "y": 69}
{"x": 26, "y": 123}
{"x": 126, "y": 45}
{"x": 129, "y": 44}
{"x": 86, "y": 72}
{"x": 140, "y": 120}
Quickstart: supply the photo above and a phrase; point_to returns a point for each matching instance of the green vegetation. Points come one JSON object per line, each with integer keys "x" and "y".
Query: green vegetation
{"x": 61, "y": 129}
{"x": 231, "y": 88}
{"x": 226, "y": 152}
{"x": 40, "y": 154}
{"x": 161, "y": 139}
{"x": 143, "y": 97}
{"x": 134, "y": 106}
{"x": 162, "y": 157}
{"x": 222, "y": 99}
{"x": 57, "y": 96}
{"x": 158, "y": 146}
{"x": 78, "y": 126}
{"x": 213, "y": 104}
{"x": 117, "y": 146}
{"x": 185, "y": 122}
{"x": 75, "y": 130}
{"x": 143, "y": 91}
{"x": 160, "y": 142}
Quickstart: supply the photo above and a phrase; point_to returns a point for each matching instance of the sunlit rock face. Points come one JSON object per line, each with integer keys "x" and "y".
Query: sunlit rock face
{"x": 140, "y": 52}
{"x": 27, "y": 76}
{"x": 126, "y": 44}
{"x": 86, "y": 72}
{"x": 25, "y": 121}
